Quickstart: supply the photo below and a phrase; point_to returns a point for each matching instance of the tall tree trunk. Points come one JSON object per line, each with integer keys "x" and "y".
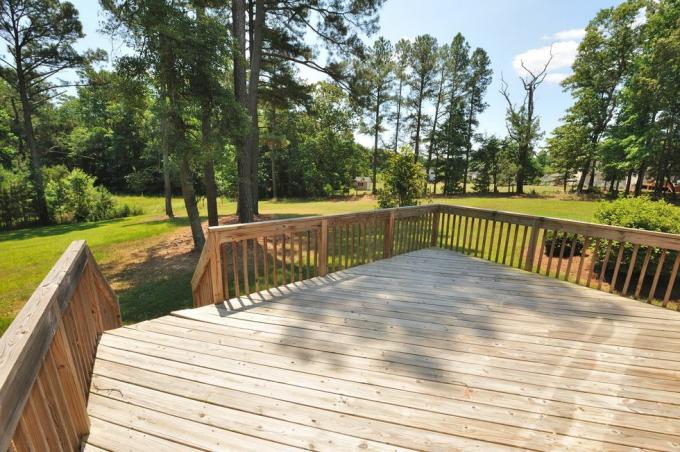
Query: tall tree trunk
{"x": 165, "y": 144}
{"x": 245, "y": 200}
{"x": 253, "y": 141}
{"x": 29, "y": 137}
{"x": 519, "y": 182}
{"x": 591, "y": 181}
{"x": 642, "y": 169}
{"x": 177, "y": 139}
{"x": 208, "y": 163}
{"x": 189, "y": 196}
{"x": 396, "y": 128}
{"x": 628, "y": 180}
{"x": 419, "y": 118}
{"x": 582, "y": 178}
{"x": 468, "y": 148}
{"x": 375, "y": 142}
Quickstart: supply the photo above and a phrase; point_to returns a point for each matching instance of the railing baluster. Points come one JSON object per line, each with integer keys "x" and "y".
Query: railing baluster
{"x": 491, "y": 237}
{"x": 617, "y": 266}
{"x": 641, "y": 279}
{"x": 631, "y": 268}
{"x": 514, "y": 246}
{"x": 584, "y": 251}
{"x": 275, "y": 270}
{"x": 657, "y": 274}
{"x": 605, "y": 262}
{"x": 572, "y": 250}
{"x": 507, "y": 243}
{"x": 541, "y": 249}
{"x": 256, "y": 274}
{"x": 265, "y": 249}
{"x": 551, "y": 252}
{"x": 671, "y": 281}
{"x": 525, "y": 230}
{"x": 560, "y": 257}
{"x": 300, "y": 257}
{"x": 244, "y": 262}
{"x": 500, "y": 240}
{"x": 594, "y": 261}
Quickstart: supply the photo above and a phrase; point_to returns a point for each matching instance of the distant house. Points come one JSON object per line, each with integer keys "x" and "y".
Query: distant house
{"x": 362, "y": 183}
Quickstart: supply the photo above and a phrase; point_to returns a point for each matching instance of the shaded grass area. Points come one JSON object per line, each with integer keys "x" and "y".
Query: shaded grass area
{"x": 27, "y": 255}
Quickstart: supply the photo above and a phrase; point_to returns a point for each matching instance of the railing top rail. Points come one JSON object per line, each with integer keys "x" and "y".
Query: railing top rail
{"x": 619, "y": 233}
{"x": 316, "y": 218}
{"x": 29, "y": 336}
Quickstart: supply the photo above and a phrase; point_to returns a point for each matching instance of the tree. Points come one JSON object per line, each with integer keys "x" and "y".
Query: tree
{"x": 486, "y": 161}
{"x": 423, "y": 61}
{"x": 451, "y": 138}
{"x": 403, "y": 181}
{"x": 604, "y": 58}
{"x": 522, "y": 122}
{"x": 477, "y": 84}
{"x": 402, "y": 52}
{"x": 377, "y": 76}
{"x": 275, "y": 34}
{"x": 439, "y": 98}
{"x": 166, "y": 36}
{"x": 40, "y": 37}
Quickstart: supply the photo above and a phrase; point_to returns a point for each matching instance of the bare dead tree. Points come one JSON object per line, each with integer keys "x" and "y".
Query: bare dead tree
{"x": 521, "y": 121}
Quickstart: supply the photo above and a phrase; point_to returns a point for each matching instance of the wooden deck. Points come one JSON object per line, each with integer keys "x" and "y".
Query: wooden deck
{"x": 429, "y": 350}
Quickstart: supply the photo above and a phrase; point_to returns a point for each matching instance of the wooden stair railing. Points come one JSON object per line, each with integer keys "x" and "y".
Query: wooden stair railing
{"x": 244, "y": 258}
{"x": 47, "y": 355}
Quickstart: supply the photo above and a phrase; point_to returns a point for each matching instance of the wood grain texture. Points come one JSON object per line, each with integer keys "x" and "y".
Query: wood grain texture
{"x": 418, "y": 351}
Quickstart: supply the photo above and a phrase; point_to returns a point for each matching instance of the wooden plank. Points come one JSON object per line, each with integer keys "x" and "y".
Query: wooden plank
{"x": 431, "y": 427}
{"x": 174, "y": 429}
{"x": 110, "y": 436}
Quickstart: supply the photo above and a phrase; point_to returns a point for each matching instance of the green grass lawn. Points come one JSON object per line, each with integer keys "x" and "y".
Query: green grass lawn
{"x": 28, "y": 254}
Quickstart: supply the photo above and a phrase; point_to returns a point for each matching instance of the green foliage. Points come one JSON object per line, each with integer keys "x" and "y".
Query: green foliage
{"x": 73, "y": 197}
{"x": 16, "y": 197}
{"x": 639, "y": 213}
{"x": 403, "y": 179}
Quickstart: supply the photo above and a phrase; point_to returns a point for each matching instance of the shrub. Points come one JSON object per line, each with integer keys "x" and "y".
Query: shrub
{"x": 72, "y": 196}
{"x": 639, "y": 213}
{"x": 557, "y": 238}
{"x": 404, "y": 181}
{"x": 16, "y": 197}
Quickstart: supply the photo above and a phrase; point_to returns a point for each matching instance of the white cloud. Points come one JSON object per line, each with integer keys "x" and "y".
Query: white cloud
{"x": 575, "y": 34}
{"x": 556, "y": 77}
{"x": 564, "y": 49}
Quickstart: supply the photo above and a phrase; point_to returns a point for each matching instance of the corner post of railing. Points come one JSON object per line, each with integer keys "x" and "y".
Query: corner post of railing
{"x": 436, "y": 213}
{"x": 217, "y": 282}
{"x": 533, "y": 241}
{"x": 323, "y": 249}
{"x": 388, "y": 245}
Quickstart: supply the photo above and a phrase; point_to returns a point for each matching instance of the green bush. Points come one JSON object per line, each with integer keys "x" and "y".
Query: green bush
{"x": 558, "y": 238}
{"x": 404, "y": 181}
{"x": 73, "y": 197}
{"x": 16, "y": 197}
{"x": 640, "y": 213}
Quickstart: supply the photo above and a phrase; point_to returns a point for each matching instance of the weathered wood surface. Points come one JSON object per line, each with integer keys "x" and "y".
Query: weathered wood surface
{"x": 430, "y": 350}
{"x": 47, "y": 354}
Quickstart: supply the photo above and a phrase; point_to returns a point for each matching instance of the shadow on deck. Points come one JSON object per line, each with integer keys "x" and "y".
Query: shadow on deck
{"x": 429, "y": 350}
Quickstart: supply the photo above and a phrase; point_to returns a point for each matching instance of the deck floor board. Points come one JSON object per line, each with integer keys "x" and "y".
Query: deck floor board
{"x": 431, "y": 350}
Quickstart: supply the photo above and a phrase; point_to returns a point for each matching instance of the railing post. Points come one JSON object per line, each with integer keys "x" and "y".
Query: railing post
{"x": 388, "y": 244}
{"x": 323, "y": 249}
{"x": 435, "y": 226}
{"x": 215, "y": 267}
{"x": 531, "y": 250}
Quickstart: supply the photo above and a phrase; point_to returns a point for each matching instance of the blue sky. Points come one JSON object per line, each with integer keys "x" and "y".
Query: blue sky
{"x": 509, "y": 30}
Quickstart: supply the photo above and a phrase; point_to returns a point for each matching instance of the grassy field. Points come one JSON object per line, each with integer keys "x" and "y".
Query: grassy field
{"x": 125, "y": 248}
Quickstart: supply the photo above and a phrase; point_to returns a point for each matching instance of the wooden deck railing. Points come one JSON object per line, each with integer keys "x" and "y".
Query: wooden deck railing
{"x": 240, "y": 259}
{"x": 47, "y": 354}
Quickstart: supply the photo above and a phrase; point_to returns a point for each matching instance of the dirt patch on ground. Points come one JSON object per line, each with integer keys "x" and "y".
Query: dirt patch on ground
{"x": 156, "y": 258}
